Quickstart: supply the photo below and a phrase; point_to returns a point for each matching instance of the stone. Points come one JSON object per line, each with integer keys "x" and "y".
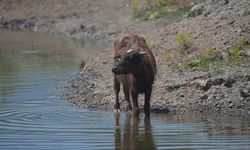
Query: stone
{"x": 229, "y": 82}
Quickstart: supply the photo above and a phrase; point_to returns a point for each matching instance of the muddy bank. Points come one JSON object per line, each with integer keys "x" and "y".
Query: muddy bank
{"x": 223, "y": 88}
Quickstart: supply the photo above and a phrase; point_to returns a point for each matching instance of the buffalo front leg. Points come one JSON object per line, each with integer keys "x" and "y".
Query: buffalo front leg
{"x": 147, "y": 101}
{"x": 126, "y": 93}
{"x": 136, "y": 110}
{"x": 117, "y": 90}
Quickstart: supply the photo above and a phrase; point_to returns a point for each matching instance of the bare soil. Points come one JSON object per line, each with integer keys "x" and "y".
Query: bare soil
{"x": 218, "y": 24}
{"x": 81, "y": 20}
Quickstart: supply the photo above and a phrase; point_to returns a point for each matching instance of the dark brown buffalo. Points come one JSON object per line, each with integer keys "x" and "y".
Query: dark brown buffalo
{"x": 134, "y": 68}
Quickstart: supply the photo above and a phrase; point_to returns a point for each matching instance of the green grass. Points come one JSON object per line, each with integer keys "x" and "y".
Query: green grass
{"x": 135, "y": 4}
{"x": 184, "y": 41}
{"x": 151, "y": 44}
{"x": 237, "y": 51}
{"x": 158, "y": 9}
{"x": 159, "y": 12}
{"x": 168, "y": 56}
{"x": 214, "y": 58}
{"x": 150, "y": 14}
{"x": 198, "y": 63}
{"x": 214, "y": 54}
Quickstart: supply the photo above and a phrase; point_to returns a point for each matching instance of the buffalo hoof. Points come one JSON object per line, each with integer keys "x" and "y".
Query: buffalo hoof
{"x": 129, "y": 112}
{"x": 128, "y": 108}
{"x": 136, "y": 112}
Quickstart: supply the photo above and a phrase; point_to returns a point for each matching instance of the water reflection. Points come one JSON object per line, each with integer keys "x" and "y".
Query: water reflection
{"x": 26, "y": 56}
{"x": 132, "y": 136}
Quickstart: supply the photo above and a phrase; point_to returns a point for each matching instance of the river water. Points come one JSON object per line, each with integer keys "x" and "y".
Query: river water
{"x": 32, "y": 117}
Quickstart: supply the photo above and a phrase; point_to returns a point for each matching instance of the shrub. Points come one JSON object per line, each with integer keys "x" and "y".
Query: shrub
{"x": 184, "y": 41}
{"x": 135, "y": 4}
{"x": 160, "y": 3}
{"x": 151, "y": 44}
{"x": 237, "y": 51}
{"x": 214, "y": 54}
{"x": 168, "y": 56}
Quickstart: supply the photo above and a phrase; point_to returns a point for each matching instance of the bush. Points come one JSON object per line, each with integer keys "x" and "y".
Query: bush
{"x": 135, "y": 4}
{"x": 214, "y": 54}
{"x": 151, "y": 44}
{"x": 169, "y": 56}
{"x": 184, "y": 41}
{"x": 238, "y": 50}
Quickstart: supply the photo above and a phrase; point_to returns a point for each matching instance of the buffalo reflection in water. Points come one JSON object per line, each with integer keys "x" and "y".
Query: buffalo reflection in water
{"x": 131, "y": 137}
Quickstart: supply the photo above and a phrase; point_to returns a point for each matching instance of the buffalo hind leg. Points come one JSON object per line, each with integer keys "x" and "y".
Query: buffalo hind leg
{"x": 117, "y": 90}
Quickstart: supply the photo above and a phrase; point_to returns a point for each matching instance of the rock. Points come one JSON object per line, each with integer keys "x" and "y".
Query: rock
{"x": 196, "y": 10}
{"x": 160, "y": 110}
{"x": 229, "y": 82}
{"x": 245, "y": 93}
{"x": 204, "y": 97}
{"x": 212, "y": 82}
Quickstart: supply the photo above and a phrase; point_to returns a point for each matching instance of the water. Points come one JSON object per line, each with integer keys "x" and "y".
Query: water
{"x": 32, "y": 117}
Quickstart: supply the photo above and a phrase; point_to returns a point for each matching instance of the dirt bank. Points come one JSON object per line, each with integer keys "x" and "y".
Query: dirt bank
{"x": 217, "y": 25}
{"x": 224, "y": 88}
{"x": 81, "y": 20}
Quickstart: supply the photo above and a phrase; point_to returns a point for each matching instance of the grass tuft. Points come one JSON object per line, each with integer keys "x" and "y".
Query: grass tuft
{"x": 184, "y": 41}
{"x": 213, "y": 58}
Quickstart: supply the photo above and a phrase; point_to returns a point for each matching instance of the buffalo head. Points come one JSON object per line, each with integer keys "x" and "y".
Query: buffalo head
{"x": 129, "y": 62}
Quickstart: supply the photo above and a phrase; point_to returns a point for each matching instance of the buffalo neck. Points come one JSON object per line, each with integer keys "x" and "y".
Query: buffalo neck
{"x": 144, "y": 72}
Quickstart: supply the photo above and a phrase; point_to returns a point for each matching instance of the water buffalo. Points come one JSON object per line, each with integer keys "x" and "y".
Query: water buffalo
{"x": 134, "y": 68}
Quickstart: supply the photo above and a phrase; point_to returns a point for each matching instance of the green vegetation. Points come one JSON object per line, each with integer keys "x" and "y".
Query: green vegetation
{"x": 149, "y": 14}
{"x": 151, "y": 44}
{"x": 197, "y": 63}
{"x": 238, "y": 49}
{"x": 213, "y": 57}
{"x": 184, "y": 41}
{"x": 149, "y": 10}
{"x": 169, "y": 56}
{"x": 135, "y": 4}
{"x": 214, "y": 54}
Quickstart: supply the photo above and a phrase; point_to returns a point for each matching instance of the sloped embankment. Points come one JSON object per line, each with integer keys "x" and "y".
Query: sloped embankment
{"x": 219, "y": 88}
